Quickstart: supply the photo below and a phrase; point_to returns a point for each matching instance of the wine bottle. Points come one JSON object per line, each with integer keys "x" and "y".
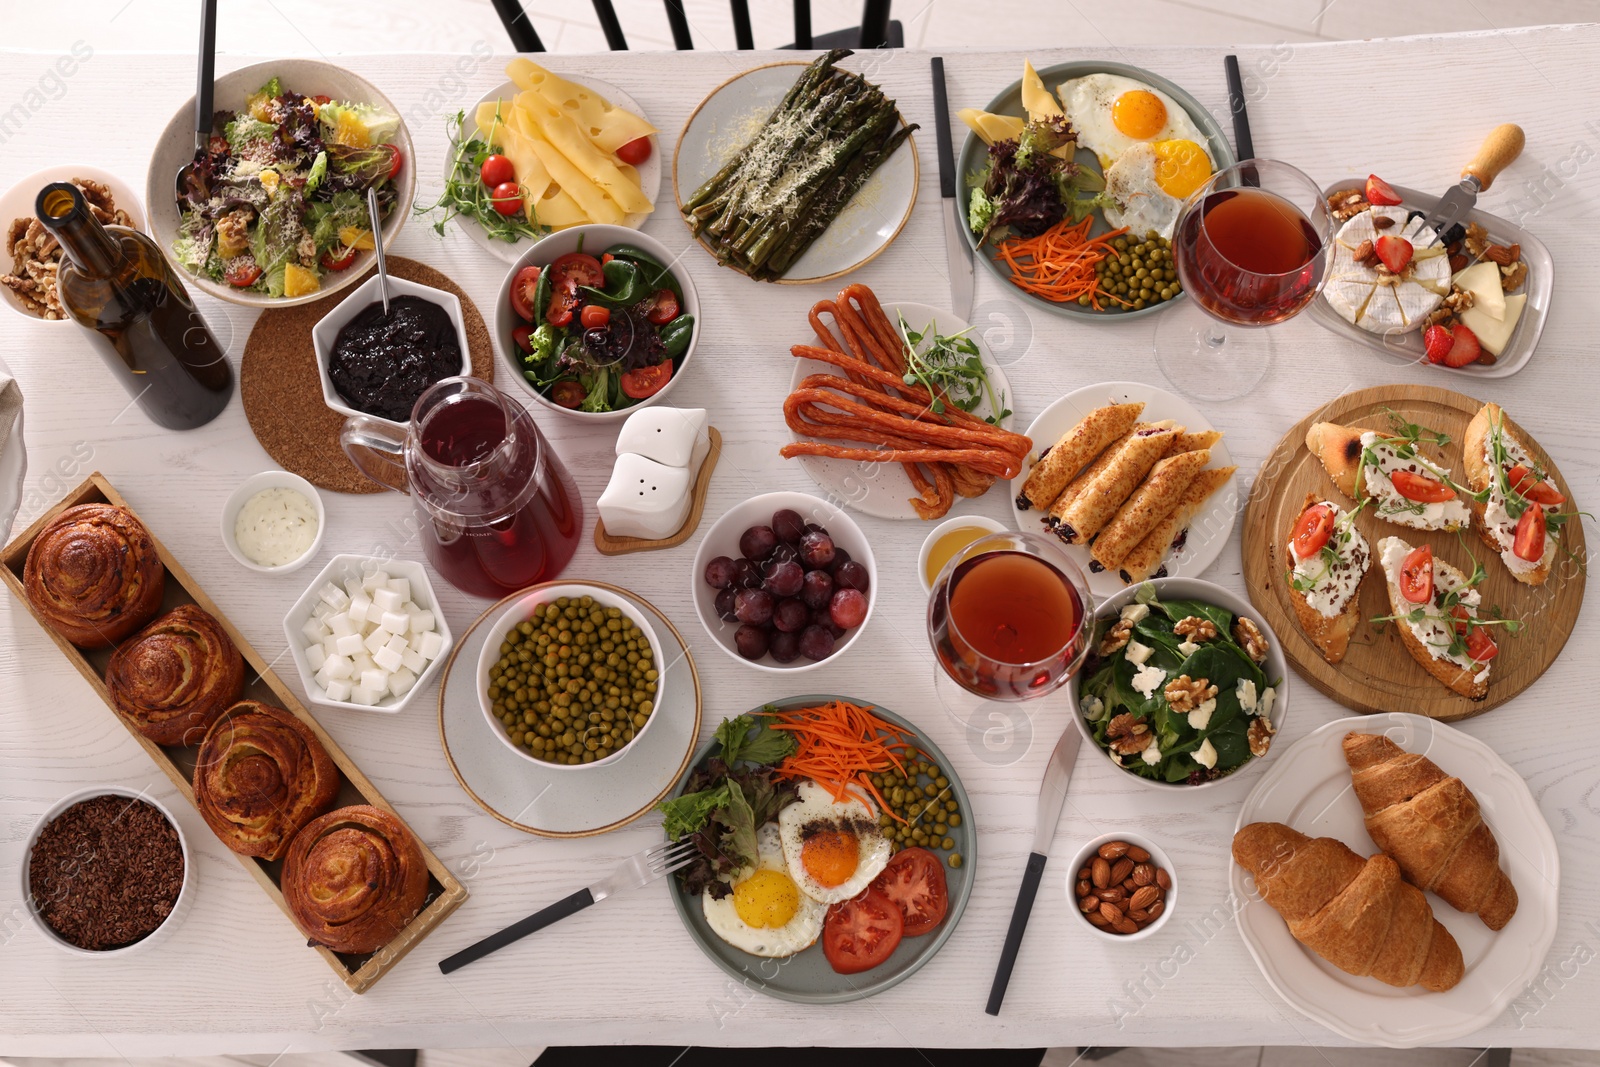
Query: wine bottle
{"x": 115, "y": 283}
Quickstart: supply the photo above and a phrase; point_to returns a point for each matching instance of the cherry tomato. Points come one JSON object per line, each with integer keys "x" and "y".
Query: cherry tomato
{"x": 1312, "y": 530}
{"x": 663, "y": 307}
{"x": 647, "y": 381}
{"x": 320, "y": 99}
{"x": 1523, "y": 481}
{"x": 594, "y": 315}
{"x": 522, "y": 287}
{"x": 397, "y": 159}
{"x": 578, "y": 268}
{"x": 635, "y": 151}
{"x": 1421, "y": 488}
{"x": 1480, "y": 645}
{"x": 497, "y": 170}
{"x": 1416, "y": 575}
{"x": 218, "y": 145}
{"x": 242, "y": 275}
{"x": 342, "y": 261}
{"x": 507, "y": 198}
{"x": 567, "y": 394}
{"x": 862, "y": 932}
{"x": 519, "y": 337}
{"x": 1528, "y": 544}
{"x": 606, "y": 258}
{"x": 915, "y": 881}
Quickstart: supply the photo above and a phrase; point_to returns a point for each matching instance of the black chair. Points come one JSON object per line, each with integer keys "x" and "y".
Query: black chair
{"x": 877, "y": 30}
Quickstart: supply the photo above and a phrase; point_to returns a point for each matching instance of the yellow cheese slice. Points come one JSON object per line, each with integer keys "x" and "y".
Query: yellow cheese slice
{"x": 1036, "y": 99}
{"x": 607, "y": 126}
{"x": 515, "y": 146}
{"x": 1482, "y": 280}
{"x": 990, "y": 127}
{"x": 563, "y": 133}
{"x": 1493, "y": 333}
{"x": 556, "y": 210}
{"x": 590, "y": 197}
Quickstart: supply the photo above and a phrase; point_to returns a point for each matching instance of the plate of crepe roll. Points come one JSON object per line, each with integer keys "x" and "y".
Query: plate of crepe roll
{"x": 1395, "y": 880}
{"x": 1132, "y": 479}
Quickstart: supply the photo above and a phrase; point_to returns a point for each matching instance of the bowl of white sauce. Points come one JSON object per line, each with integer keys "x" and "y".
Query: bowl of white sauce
{"x": 273, "y": 522}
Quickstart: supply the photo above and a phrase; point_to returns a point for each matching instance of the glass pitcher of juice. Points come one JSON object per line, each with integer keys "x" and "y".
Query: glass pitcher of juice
{"x": 495, "y": 507}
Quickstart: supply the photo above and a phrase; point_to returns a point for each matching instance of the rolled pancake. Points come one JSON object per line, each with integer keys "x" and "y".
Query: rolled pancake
{"x": 1147, "y": 555}
{"x": 1153, "y": 501}
{"x": 1076, "y": 448}
{"x": 1194, "y": 442}
{"x": 1101, "y": 498}
{"x": 1092, "y": 471}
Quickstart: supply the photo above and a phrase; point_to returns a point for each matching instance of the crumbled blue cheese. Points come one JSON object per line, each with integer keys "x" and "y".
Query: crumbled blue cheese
{"x": 1149, "y": 679}
{"x": 1094, "y": 708}
{"x": 1188, "y": 648}
{"x": 1199, "y": 717}
{"x": 1206, "y": 754}
{"x": 1139, "y": 654}
{"x": 1151, "y": 754}
{"x": 1246, "y": 692}
{"x": 1135, "y": 613}
{"x": 1264, "y": 705}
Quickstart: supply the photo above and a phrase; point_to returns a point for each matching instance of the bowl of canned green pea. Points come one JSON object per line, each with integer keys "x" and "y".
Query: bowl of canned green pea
{"x": 569, "y": 676}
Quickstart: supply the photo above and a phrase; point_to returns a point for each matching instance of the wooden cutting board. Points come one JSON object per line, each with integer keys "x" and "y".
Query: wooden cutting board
{"x": 1378, "y": 674}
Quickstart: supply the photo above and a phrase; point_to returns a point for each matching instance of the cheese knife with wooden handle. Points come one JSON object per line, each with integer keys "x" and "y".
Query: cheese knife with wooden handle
{"x": 1503, "y": 145}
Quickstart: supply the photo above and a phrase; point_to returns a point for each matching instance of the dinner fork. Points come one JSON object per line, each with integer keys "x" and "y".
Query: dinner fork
{"x": 634, "y": 872}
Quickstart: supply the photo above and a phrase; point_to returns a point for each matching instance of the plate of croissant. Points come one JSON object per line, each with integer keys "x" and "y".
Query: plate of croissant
{"x": 1395, "y": 880}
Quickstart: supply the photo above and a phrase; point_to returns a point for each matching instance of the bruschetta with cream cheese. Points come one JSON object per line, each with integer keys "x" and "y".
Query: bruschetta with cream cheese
{"x": 1435, "y": 610}
{"x": 1517, "y": 519}
{"x": 1327, "y": 559}
{"x": 1406, "y": 488}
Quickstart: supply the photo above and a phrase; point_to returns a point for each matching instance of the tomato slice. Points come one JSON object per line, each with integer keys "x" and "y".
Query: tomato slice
{"x": 647, "y": 381}
{"x": 663, "y": 307}
{"x": 1480, "y": 645}
{"x": 915, "y": 881}
{"x": 519, "y": 337}
{"x": 1528, "y": 543}
{"x": 342, "y": 261}
{"x": 635, "y": 151}
{"x": 1524, "y": 481}
{"x": 1421, "y": 488}
{"x": 563, "y": 303}
{"x": 1416, "y": 575}
{"x": 862, "y": 932}
{"x": 242, "y": 275}
{"x": 1312, "y": 530}
{"x": 522, "y": 287}
{"x": 594, "y": 315}
{"x": 576, "y": 268}
{"x": 397, "y": 159}
{"x": 567, "y": 394}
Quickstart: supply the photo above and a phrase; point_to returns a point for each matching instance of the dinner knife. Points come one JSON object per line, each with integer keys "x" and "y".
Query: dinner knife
{"x": 1052, "y": 797}
{"x": 1503, "y": 145}
{"x": 958, "y": 256}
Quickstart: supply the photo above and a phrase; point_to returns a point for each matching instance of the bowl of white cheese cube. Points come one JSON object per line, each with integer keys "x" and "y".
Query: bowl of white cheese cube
{"x": 367, "y": 634}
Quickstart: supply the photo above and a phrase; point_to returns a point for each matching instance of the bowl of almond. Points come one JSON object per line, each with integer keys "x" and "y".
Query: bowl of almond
{"x": 1123, "y": 886}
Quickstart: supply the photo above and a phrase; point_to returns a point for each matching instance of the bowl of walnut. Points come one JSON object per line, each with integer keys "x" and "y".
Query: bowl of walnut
{"x": 29, "y": 255}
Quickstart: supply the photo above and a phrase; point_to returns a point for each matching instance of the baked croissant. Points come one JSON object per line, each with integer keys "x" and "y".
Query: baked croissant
{"x": 1358, "y": 914}
{"x": 354, "y": 879}
{"x": 173, "y": 678}
{"x": 1431, "y": 825}
{"x": 93, "y": 575}
{"x": 260, "y": 776}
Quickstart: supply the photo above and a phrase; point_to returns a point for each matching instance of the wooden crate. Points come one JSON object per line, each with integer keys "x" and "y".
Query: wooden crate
{"x": 445, "y": 892}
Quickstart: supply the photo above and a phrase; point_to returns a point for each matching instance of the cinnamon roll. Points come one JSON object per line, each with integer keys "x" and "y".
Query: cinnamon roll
{"x": 93, "y": 575}
{"x": 173, "y": 678}
{"x": 354, "y": 879}
{"x": 261, "y": 775}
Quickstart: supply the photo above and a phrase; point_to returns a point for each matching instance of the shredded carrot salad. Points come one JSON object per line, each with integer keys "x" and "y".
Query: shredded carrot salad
{"x": 1059, "y": 263}
{"x": 841, "y": 745}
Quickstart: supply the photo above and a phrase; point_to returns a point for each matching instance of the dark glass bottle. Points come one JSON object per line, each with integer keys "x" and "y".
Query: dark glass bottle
{"x": 116, "y": 284}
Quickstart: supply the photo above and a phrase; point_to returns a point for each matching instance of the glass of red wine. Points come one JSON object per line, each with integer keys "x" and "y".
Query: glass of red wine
{"x": 1251, "y": 248}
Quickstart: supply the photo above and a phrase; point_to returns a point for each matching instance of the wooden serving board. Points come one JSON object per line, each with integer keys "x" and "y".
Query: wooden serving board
{"x": 610, "y": 544}
{"x": 445, "y": 892}
{"x": 1378, "y": 674}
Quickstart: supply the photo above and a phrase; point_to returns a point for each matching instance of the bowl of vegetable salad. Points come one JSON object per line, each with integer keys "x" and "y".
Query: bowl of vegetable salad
{"x": 276, "y": 213}
{"x": 598, "y": 320}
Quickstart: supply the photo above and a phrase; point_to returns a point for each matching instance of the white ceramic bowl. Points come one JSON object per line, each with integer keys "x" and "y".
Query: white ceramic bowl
{"x": 1158, "y": 856}
{"x": 338, "y": 569}
{"x": 1276, "y": 668}
{"x": 326, "y": 332}
{"x": 249, "y": 488}
{"x": 175, "y": 147}
{"x": 975, "y": 522}
{"x": 520, "y": 610}
{"x": 19, "y": 202}
{"x": 594, "y": 238}
{"x": 723, "y": 540}
{"x": 179, "y": 909}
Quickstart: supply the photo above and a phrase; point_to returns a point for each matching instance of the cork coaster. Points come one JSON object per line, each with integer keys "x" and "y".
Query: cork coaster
{"x": 282, "y": 391}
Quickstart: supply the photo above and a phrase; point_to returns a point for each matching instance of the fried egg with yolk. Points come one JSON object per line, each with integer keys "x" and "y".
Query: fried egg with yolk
{"x": 1112, "y": 114}
{"x": 834, "y": 849}
{"x": 1149, "y": 183}
{"x": 766, "y": 914}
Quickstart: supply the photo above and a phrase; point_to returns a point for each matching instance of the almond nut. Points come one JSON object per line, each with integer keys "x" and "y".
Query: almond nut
{"x": 1140, "y": 917}
{"x": 1157, "y": 908}
{"x": 1098, "y": 919}
{"x": 1137, "y": 854}
{"x": 1145, "y": 897}
{"x": 1114, "y": 894}
{"x": 1088, "y": 902}
{"x": 1364, "y": 253}
{"x": 1163, "y": 879}
{"x": 1120, "y": 870}
{"x": 1111, "y": 912}
{"x": 1083, "y": 873}
{"x": 1083, "y": 887}
{"x": 1125, "y": 927}
{"x": 1502, "y": 254}
{"x": 1458, "y": 263}
{"x": 1100, "y": 873}
{"x": 1143, "y": 874}
{"x": 1113, "y": 850}
{"x": 1381, "y": 222}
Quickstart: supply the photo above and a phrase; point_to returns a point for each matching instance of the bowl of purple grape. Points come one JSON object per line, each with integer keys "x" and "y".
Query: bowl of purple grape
{"x": 784, "y": 581}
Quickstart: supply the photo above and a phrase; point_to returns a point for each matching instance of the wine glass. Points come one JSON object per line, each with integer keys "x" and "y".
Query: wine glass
{"x": 1251, "y": 249}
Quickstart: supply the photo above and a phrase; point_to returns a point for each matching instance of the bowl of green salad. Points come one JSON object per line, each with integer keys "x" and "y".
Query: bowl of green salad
{"x": 274, "y": 214}
{"x": 1185, "y": 685}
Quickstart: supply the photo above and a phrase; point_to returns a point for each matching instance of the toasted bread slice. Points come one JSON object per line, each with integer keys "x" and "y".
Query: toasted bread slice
{"x": 1341, "y": 452}
{"x": 1331, "y": 634}
{"x": 1339, "y": 449}
{"x": 1479, "y": 473}
{"x": 1449, "y": 673}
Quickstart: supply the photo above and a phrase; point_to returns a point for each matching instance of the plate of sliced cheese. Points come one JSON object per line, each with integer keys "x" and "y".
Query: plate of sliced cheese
{"x": 564, "y": 137}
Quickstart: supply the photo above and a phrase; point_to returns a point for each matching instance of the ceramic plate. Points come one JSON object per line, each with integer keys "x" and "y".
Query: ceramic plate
{"x": 1210, "y": 530}
{"x": 806, "y": 976}
{"x": 13, "y": 470}
{"x": 18, "y": 202}
{"x": 1308, "y": 788}
{"x": 884, "y": 489}
{"x": 1009, "y": 102}
{"x": 649, "y": 173}
{"x": 727, "y": 119}
{"x": 551, "y": 803}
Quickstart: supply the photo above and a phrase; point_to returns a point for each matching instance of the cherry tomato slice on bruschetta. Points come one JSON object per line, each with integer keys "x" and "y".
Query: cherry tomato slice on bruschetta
{"x": 1416, "y": 575}
{"x": 635, "y": 151}
{"x": 1480, "y": 645}
{"x": 1421, "y": 488}
{"x": 522, "y": 287}
{"x": 1528, "y": 543}
{"x": 567, "y": 394}
{"x": 862, "y": 932}
{"x": 594, "y": 315}
{"x": 647, "y": 381}
{"x": 1524, "y": 481}
{"x": 1312, "y": 530}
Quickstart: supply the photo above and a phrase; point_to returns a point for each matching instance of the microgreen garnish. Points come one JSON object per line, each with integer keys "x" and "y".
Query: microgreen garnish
{"x": 464, "y": 191}
{"x": 950, "y": 368}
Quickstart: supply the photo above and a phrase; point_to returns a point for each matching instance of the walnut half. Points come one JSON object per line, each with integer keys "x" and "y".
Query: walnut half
{"x": 1260, "y": 735}
{"x": 1117, "y": 637}
{"x": 1128, "y": 735}
{"x": 1196, "y": 629}
{"x": 1250, "y": 638}
{"x": 1185, "y": 693}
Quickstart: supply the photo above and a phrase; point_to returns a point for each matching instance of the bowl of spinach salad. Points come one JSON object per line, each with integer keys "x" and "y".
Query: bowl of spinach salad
{"x": 1184, "y": 685}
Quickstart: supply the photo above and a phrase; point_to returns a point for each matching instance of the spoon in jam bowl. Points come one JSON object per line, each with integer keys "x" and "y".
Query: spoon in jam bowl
{"x": 377, "y": 243}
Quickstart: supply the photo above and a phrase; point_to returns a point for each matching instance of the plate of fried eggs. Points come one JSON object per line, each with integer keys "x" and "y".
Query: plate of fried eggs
{"x": 1152, "y": 142}
{"x": 817, "y": 853}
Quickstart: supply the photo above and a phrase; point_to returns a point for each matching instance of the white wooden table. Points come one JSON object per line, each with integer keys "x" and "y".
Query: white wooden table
{"x": 236, "y": 976}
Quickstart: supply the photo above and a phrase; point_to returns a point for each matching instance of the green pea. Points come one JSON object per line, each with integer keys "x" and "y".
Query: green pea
{"x": 955, "y": 859}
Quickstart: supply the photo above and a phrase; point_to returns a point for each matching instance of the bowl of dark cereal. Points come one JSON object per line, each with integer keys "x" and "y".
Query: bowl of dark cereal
{"x": 106, "y": 872}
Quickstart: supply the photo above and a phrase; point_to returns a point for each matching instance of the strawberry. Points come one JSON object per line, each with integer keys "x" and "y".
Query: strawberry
{"x": 1395, "y": 252}
{"x": 1464, "y": 347}
{"x": 1378, "y": 192}
{"x": 1437, "y": 340}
